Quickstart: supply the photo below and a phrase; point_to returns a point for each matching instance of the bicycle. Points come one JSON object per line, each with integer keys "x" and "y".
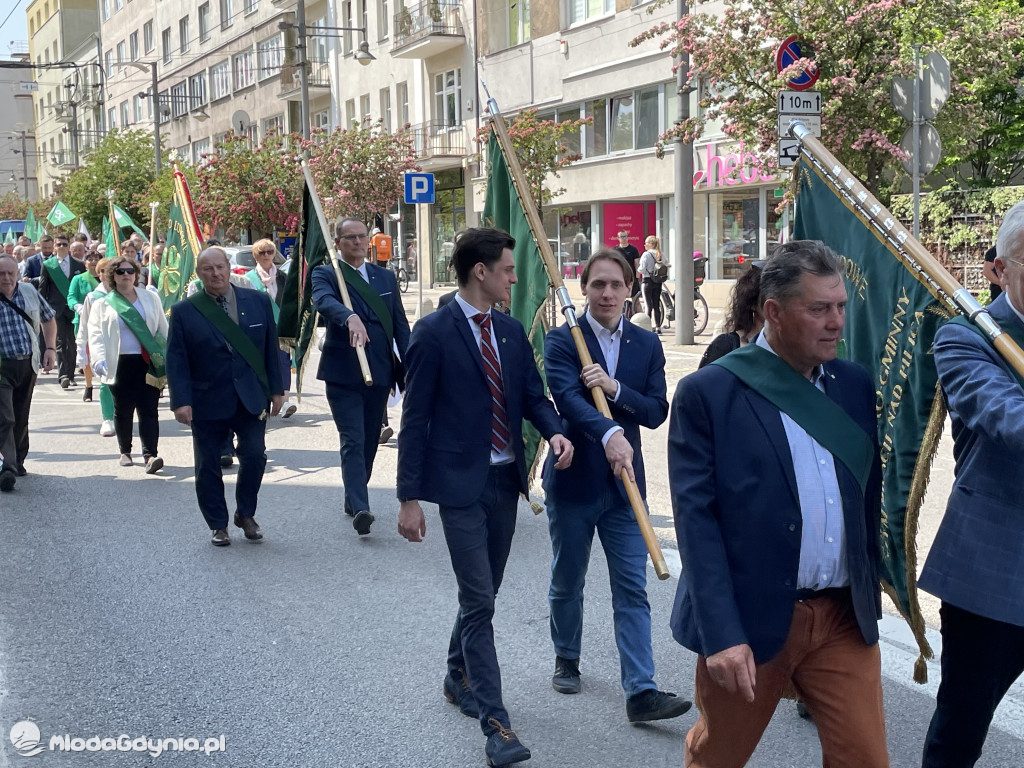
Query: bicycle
{"x": 400, "y": 274}
{"x": 668, "y": 301}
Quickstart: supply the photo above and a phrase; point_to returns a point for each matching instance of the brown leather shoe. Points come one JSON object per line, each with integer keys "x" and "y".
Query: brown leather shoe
{"x": 220, "y": 538}
{"x": 248, "y": 525}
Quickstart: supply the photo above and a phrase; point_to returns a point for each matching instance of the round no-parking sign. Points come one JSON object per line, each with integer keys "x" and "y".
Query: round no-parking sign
{"x": 791, "y": 50}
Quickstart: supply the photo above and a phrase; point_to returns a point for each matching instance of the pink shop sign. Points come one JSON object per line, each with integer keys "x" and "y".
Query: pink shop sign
{"x": 735, "y": 168}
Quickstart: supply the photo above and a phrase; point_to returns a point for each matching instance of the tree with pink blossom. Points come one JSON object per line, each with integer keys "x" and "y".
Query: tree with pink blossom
{"x": 859, "y": 47}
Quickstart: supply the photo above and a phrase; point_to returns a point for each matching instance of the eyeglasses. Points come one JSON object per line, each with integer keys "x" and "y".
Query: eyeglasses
{"x": 1007, "y": 258}
{"x": 60, "y": 245}
{"x": 94, "y": 257}
{"x": 124, "y": 271}
{"x": 265, "y": 253}
{"x": 354, "y": 238}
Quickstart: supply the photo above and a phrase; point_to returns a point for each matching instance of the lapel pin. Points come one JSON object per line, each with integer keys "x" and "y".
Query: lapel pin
{"x": 502, "y": 339}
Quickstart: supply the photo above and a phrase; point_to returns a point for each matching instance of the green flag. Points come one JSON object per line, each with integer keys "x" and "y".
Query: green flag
{"x": 178, "y": 263}
{"x": 31, "y": 227}
{"x": 504, "y": 210}
{"x": 108, "y": 239}
{"x": 124, "y": 221}
{"x": 297, "y": 320}
{"x": 60, "y": 214}
{"x": 891, "y": 319}
{"x": 10, "y": 236}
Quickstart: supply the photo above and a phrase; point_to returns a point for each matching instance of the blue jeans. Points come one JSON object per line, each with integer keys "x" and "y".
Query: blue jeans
{"x": 572, "y": 525}
{"x": 479, "y": 538}
{"x": 357, "y": 415}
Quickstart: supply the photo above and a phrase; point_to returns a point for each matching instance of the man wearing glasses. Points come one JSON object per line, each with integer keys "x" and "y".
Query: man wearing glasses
{"x": 54, "y": 284}
{"x": 377, "y": 323}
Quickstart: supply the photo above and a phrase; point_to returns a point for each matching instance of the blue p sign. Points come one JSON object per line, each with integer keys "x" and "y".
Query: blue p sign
{"x": 419, "y": 188}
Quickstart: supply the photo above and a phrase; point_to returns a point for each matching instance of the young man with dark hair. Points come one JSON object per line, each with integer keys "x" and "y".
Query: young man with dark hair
{"x": 54, "y": 284}
{"x": 471, "y": 381}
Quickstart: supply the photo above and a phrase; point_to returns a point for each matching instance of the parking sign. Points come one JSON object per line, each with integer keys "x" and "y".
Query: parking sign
{"x": 419, "y": 188}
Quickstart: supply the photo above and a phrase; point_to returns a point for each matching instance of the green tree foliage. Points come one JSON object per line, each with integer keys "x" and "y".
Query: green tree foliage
{"x": 123, "y": 162}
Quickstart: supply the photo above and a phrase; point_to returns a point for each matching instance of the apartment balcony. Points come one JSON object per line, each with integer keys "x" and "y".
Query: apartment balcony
{"x": 427, "y": 29}
{"x": 435, "y": 140}
{"x": 319, "y": 79}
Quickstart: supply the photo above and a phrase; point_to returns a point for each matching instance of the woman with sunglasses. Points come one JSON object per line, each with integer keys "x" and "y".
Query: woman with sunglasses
{"x": 266, "y": 277}
{"x": 127, "y": 348}
{"x": 81, "y": 286}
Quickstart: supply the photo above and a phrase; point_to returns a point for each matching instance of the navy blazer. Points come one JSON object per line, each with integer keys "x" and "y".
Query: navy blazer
{"x": 642, "y": 403}
{"x": 975, "y": 560}
{"x": 49, "y": 290}
{"x": 737, "y": 512}
{"x": 338, "y": 363}
{"x": 444, "y": 446}
{"x": 202, "y": 366}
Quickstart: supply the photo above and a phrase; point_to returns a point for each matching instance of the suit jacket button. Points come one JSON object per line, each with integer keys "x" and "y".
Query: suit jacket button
{"x": 792, "y": 526}
{"x": 789, "y": 582}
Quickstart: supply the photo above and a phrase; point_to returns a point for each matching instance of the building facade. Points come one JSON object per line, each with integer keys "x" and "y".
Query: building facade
{"x": 17, "y": 133}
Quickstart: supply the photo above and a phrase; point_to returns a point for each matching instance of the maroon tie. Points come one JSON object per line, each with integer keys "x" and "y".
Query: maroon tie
{"x": 499, "y": 422}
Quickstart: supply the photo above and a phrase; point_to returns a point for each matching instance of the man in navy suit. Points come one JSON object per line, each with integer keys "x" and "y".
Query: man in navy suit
{"x": 224, "y": 373}
{"x": 472, "y": 380}
{"x": 629, "y": 365}
{"x": 776, "y": 490}
{"x": 377, "y": 323}
{"x": 975, "y": 564}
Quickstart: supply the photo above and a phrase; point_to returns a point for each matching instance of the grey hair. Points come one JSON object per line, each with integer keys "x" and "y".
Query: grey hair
{"x": 5, "y": 255}
{"x": 346, "y": 220}
{"x": 214, "y": 249}
{"x": 780, "y": 278}
{"x": 1011, "y": 234}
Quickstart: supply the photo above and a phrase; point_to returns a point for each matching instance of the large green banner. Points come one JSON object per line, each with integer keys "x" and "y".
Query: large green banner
{"x": 504, "y": 210}
{"x": 297, "y": 321}
{"x": 178, "y": 263}
{"x": 891, "y": 319}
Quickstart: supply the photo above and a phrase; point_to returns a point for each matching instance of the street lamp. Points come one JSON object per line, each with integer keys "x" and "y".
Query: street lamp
{"x": 151, "y": 66}
{"x": 363, "y": 55}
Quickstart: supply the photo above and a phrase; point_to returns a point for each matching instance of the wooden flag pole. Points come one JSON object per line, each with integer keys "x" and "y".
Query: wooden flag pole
{"x": 569, "y": 311}
{"x": 918, "y": 260}
{"x": 364, "y": 364}
{"x": 115, "y": 230}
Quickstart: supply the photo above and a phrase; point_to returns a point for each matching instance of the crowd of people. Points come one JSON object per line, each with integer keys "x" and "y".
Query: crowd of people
{"x": 774, "y": 467}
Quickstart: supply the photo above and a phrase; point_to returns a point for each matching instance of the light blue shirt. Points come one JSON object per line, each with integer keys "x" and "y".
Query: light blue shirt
{"x": 610, "y": 343}
{"x": 823, "y": 534}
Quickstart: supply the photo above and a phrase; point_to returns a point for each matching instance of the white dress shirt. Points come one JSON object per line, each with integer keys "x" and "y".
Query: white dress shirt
{"x": 610, "y": 343}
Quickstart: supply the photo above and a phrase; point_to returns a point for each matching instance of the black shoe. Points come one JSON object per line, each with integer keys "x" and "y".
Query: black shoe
{"x": 154, "y": 464}
{"x": 226, "y": 460}
{"x": 7, "y": 480}
{"x": 802, "y": 710}
{"x": 503, "y": 746}
{"x": 567, "y": 675}
{"x": 252, "y": 531}
{"x": 87, "y": 395}
{"x": 65, "y": 383}
{"x": 20, "y": 471}
{"x": 220, "y": 538}
{"x": 362, "y": 522}
{"x": 385, "y": 434}
{"x": 458, "y": 692}
{"x": 653, "y": 704}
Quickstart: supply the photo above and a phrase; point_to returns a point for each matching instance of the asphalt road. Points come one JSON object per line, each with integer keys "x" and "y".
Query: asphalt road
{"x": 317, "y": 647}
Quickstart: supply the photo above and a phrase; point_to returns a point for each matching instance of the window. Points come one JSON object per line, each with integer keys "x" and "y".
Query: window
{"x": 622, "y": 123}
{"x": 518, "y": 21}
{"x": 402, "y": 96}
{"x": 165, "y": 44}
{"x": 111, "y": 119}
{"x": 197, "y": 91}
{"x": 581, "y": 10}
{"x": 118, "y": 5}
{"x": 163, "y": 99}
{"x": 251, "y": 6}
{"x": 123, "y": 109}
{"x": 183, "y": 36}
{"x": 108, "y": 63}
{"x": 448, "y": 98}
{"x": 647, "y": 118}
{"x": 273, "y": 125}
{"x": 199, "y": 149}
{"x": 220, "y": 80}
{"x": 204, "y": 22}
{"x": 251, "y": 133}
{"x": 385, "y": 108}
{"x": 350, "y": 113}
{"x": 147, "y": 37}
{"x": 321, "y": 120}
{"x": 104, "y": 9}
{"x": 121, "y": 54}
{"x": 133, "y": 46}
{"x": 227, "y": 11}
{"x": 597, "y": 132}
{"x": 244, "y": 69}
{"x": 137, "y": 111}
{"x": 572, "y": 141}
{"x": 179, "y": 99}
{"x": 270, "y": 56}
{"x": 382, "y": 19}
{"x": 349, "y": 22}
{"x": 364, "y": 108}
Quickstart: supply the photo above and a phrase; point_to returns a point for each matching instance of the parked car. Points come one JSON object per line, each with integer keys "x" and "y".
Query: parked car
{"x": 242, "y": 260}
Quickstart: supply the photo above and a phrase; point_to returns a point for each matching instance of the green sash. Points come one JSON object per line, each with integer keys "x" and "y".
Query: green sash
{"x": 257, "y": 283}
{"x": 371, "y": 297}
{"x": 821, "y": 417}
{"x": 61, "y": 280}
{"x": 89, "y": 279}
{"x": 236, "y": 336}
{"x": 1011, "y": 330}
{"x": 156, "y": 348}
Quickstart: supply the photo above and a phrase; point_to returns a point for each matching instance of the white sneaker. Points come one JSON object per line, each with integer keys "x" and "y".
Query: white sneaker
{"x": 107, "y": 428}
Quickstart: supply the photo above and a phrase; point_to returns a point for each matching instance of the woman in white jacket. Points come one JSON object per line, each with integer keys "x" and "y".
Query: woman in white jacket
{"x": 127, "y": 343}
